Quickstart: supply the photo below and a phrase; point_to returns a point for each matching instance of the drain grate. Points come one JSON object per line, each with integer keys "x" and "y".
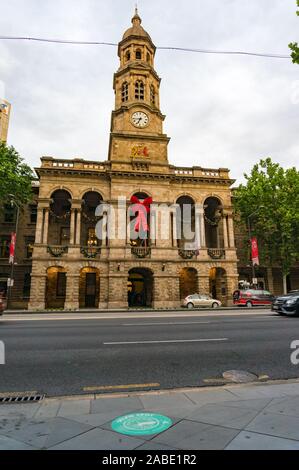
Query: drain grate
{"x": 21, "y": 398}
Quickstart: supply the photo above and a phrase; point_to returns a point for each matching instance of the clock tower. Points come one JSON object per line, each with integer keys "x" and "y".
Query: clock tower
{"x": 137, "y": 141}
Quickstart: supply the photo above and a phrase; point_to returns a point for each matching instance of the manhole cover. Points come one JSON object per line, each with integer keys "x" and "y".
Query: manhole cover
{"x": 239, "y": 376}
{"x": 136, "y": 424}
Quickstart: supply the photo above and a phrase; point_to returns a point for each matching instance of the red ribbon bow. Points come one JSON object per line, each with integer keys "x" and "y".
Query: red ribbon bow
{"x": 142, "y": 208}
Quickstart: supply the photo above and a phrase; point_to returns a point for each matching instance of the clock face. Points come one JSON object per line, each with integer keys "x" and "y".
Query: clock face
{"x": 140, "y": 119}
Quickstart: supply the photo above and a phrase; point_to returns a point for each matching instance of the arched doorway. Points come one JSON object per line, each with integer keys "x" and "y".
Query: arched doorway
{"x": 213, "y": 227}
{"x": 89, "y": 288}
{"x": 55, "y": 287}
{"x": 218, "y": 284}
{"x": 185, "y": 220}
{"x": 188, "y": 282}
{"x": 140, "y": 287}
{"x": 60, "y": 211}
{"x": 91, "y": 200}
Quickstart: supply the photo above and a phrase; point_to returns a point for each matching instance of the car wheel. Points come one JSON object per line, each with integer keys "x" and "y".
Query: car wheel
{"x": 190, "y": 305}
{"x": 249, "y": 304}
{"x": 215, "y": 305}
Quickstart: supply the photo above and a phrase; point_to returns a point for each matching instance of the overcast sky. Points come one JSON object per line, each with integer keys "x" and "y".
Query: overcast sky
{"x": 221, "y": 111}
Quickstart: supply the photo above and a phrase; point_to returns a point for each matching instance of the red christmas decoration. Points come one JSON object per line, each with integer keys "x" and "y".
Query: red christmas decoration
{"x": 141, "y": 208}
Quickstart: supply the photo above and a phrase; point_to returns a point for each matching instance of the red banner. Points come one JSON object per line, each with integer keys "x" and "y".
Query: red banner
{"x": 254, "y": 251}
{"x": 12, "y": 247}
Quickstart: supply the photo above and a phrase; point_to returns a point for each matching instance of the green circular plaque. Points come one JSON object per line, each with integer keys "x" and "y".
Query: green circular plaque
{"x": 136, "y": 424}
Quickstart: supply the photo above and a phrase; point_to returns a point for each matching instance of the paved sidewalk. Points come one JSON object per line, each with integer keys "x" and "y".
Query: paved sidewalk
{"x": 255, "y": 416}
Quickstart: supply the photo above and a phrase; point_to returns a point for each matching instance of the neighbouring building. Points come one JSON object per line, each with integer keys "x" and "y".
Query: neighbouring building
{"x": 20, "y": 293}
{"x": 4, "y": 119}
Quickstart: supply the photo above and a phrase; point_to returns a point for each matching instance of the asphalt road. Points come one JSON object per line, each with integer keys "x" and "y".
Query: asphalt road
{"x": 75, "y": 356}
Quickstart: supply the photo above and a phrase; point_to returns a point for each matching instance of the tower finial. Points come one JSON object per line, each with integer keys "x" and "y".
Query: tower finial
{"x": 136, "y": 20}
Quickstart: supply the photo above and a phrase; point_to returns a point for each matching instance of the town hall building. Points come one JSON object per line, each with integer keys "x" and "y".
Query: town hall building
{"x": 73, "y": 267}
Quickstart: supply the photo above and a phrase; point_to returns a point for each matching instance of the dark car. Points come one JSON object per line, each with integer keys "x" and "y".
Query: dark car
{"x": 2, "y": 305}
{"x": 287, "y": 304}
{"x": 251, "y": 297}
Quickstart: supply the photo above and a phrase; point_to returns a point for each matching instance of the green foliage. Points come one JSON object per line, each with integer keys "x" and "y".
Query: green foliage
{"x": 294, "y": 46}
{"x": 273, "y": 192}
{"x": 15, "y": 176}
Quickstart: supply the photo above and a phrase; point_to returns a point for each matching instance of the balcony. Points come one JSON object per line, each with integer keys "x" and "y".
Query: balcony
{"x": 57, "y": 250}
{"x": 216, "y": 253}
{"x": 141, "y": 251}
{"x": 188, "y": 254}
{"x": 90, "y": 252}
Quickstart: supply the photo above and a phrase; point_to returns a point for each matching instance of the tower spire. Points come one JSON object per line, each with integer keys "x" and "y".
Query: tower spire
{"x": 136, "y": 20}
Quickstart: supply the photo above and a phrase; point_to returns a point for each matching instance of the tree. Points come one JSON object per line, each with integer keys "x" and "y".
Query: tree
{"x": 15, "y": 176}
{"x": 274, "y": 191}
{"x": 294, "y": 46}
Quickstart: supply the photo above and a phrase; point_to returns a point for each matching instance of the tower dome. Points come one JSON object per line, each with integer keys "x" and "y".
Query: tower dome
{"x": 136, "y": 29}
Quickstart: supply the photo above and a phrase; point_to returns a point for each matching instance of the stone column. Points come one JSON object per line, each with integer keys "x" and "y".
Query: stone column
{"x": 46, "y": 226}
{"x": 198, "y": 217}
{"x": 174, "y": 229}
{"x": 72, "y": 227}
{"x": 225, "y": 233}
{"x": 231, "y": 231}
{"x": 104, "y": 229}
{"x": 37, "y": 292}
{"x": 203, "y": 283}
{"x": 78, "y": 228}
{"x": 231, "y": 286}
{"x": 103, "y": 297}
{"x": 72, "y": 292}
{"x": 39, "y": 225}
{"x": 200, "y": 212}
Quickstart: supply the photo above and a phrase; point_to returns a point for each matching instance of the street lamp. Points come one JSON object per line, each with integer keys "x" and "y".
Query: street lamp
{"x": 249, "y": 233}
{"x": 13, "y": 202}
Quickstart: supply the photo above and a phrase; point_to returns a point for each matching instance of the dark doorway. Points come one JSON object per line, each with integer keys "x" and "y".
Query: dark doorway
{"x": 140, "y": 288}
{"x": 90, "y": 290}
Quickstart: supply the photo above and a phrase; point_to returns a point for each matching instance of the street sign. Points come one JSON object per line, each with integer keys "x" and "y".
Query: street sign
{"x": 139, "y": 424}
{"x": 10, "y": 282}
{"x": 254, "y": 280}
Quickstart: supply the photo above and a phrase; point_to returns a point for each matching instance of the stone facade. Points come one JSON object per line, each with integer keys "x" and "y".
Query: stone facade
{"x": 72, "y": 269}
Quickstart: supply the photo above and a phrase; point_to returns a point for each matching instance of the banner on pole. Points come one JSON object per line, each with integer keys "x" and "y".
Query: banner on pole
{"x": 254, "y": 251}
{"x": 12, "y": 248}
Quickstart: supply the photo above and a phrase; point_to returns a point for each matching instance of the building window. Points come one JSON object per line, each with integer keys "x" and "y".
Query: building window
{"x": 26, "y": 286}
{"x": 29, "y": 243}
{"x": 125, "y": 92}
{"x": 128, "y": 56}
{"x": 9, "y": 213}
{"x": 4, "y": 246}
{"x": 139, "y": 90}
{"x": 153, "y": 95}
{"x": 61, "y": 284}
{"x": 148, "y": 58}
{"x": 138, "y": 54}
{"x": 92, "y": 238}
{"x": 33, "y": 213}
{"x": 64, "y": 236}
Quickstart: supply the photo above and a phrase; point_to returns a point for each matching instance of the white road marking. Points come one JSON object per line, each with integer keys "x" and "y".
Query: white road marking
{"x": 169, "y": 323}
{"x": 115, "y": 343}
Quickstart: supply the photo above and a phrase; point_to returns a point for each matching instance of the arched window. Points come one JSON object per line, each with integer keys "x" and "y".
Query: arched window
{"x": 125, "y": 92}
{"x": 148, "y": 58}
{"x": 153, "y": 95}
{"x": 138, "y": 54}
{"x": 128, "y": 56}
{"x": 139, "y": 90}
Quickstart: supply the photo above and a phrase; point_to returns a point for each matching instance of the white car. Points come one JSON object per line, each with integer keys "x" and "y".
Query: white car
{"x": 201, "y": 300}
